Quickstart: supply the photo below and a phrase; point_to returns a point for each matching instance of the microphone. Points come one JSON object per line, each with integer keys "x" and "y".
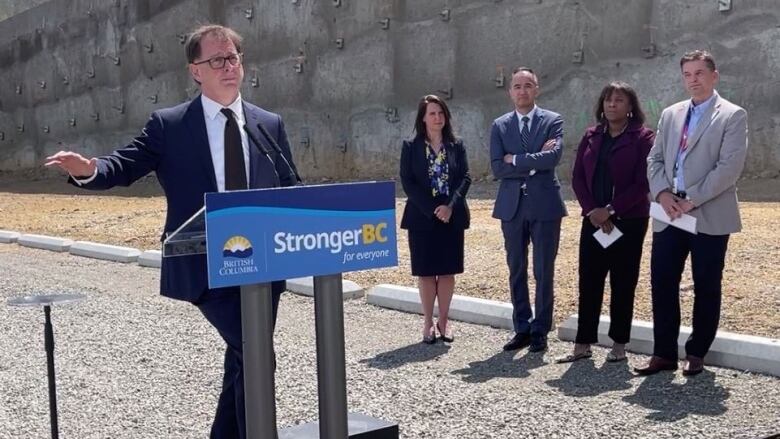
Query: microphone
{"x": 264, "y": 151}
{"x": 278, "y": 150}
{"x": 257, "y": 143}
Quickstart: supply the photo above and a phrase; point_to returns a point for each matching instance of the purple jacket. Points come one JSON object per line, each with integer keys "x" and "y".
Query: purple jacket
{"x": 627, "y": 164}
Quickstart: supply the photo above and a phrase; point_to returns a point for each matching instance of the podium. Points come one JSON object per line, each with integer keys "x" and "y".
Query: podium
{"x": 254, "y": 237}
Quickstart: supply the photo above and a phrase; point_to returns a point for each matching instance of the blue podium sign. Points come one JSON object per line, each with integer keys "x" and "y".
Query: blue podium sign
{"x": 263, "y": 235}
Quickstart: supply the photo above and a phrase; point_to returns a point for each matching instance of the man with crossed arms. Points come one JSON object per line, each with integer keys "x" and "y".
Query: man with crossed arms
{"x": 526, "y": 145}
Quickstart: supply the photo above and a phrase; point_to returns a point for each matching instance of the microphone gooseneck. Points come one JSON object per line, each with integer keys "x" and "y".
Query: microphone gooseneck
{"x": 278, "y": 150}
{"x": 264, "y": 151}
{"x": 257, "y": 142}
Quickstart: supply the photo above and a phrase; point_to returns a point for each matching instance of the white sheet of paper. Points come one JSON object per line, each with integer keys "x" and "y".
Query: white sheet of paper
{"x": 685, "y": 222}
{"x": 607, "y": 240}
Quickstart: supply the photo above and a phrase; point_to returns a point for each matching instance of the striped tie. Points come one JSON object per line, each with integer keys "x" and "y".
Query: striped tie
{"x": 525, "y": 134}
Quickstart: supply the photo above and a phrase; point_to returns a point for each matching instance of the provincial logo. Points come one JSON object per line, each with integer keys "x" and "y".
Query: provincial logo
{"x": 237, "y": 257}
{"x": 237, "y": 247}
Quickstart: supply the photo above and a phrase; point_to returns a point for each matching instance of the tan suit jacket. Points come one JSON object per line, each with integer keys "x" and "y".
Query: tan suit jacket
{"x": 715, "y": 158}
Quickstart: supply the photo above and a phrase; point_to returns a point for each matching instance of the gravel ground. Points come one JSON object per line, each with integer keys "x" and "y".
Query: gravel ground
{"x": 133, "y": 217}
{"x": 132, "y": 364}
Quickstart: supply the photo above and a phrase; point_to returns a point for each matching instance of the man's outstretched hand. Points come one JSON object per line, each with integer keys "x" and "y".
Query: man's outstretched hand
{"x": 73, "y": 163}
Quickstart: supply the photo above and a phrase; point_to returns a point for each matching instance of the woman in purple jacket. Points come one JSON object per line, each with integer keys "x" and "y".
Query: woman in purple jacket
{"x": 610, "y": 181}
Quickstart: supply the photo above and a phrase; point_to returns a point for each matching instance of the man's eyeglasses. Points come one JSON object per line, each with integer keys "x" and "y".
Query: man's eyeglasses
{"x": 218, "y": 62}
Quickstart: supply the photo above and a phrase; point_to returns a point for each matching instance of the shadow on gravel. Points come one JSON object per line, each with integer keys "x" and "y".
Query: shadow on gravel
{"x": 583, "y": 379}
{"x": 670, "y": 401}
{"x": 413, "y": 353}
{"x": 501, "y": 365}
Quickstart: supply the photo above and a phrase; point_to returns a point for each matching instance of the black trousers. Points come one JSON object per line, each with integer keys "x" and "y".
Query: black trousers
{"x": 222, "y": 308}
{"x": 621, "y": 260}
{"x": 670, "y": 250}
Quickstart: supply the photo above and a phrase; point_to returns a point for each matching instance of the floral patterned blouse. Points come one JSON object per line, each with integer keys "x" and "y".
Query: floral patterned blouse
{"x": 438, "y": 171}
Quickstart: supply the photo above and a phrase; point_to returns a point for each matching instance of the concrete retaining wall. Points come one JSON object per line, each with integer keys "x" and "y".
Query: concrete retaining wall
{"x": 89, "y": 72}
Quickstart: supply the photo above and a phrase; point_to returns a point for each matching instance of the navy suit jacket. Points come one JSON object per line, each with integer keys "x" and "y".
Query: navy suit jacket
{"x": 418, "y": 212}
{"x": 174, "y": 144}
{"x": 543, "y": 199}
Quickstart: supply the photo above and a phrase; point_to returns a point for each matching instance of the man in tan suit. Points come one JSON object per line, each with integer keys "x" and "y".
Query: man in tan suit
{"x": 693, "y": 167}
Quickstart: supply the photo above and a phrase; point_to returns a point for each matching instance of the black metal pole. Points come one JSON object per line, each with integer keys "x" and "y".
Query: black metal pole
{"x": 48, "y": 334}
{"x": 259, "y": 390}
{"x": 331, "y": 370}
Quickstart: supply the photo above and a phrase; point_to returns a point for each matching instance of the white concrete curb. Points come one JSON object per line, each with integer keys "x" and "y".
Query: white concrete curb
{"x": 304, "y": 286}
{"x": 45, "y": 242}
{"x": 8, "y": 237}
{"x": 104, "y": 251}
{"x": 150, "y": 258}
{"x": 742, "y": 352}
{"x": 463, "y": 308}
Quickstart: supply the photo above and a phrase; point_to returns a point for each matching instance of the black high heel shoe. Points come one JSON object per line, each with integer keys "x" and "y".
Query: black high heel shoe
{"x": 449, "y": 338}
{"x": 430, "y": 336}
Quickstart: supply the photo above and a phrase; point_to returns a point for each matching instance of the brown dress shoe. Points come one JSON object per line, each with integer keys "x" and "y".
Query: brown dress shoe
{"x": 693, "y": 366}
{"x": 655, "y": 365}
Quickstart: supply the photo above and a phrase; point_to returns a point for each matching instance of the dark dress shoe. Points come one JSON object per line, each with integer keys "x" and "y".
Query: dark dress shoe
{"x": 429, "y": 336}
{"x": 693, "y": 366}
{"x": 538, "y": 343}
{"x": 519, "y": 341}
{"x": 446, "y": 335}
{"x": 655, "y": 365}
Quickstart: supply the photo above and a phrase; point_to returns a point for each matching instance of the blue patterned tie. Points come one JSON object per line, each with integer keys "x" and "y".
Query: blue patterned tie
{"x": 525, "y": 134}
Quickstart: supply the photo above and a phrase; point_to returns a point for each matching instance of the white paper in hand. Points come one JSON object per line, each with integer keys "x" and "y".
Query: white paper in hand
{"x": 607, "y": 240}
{"x": 685, "y": 222}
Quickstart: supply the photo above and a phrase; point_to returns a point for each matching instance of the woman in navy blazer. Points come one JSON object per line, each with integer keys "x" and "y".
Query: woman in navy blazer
{"x": 435, "y": 177}
{"x": 610, "y": 181}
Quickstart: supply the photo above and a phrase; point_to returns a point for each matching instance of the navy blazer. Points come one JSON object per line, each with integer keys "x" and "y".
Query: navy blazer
{"x": 627, "y": 165}
{"x": 174, "y": 144}
{"x": 420, "y": 204}
{"x": 543, "y": 199}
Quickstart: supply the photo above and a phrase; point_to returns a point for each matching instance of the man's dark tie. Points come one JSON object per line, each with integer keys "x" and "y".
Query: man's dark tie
{"x": 235, "y": 171}
{"x": 525, "y": 134}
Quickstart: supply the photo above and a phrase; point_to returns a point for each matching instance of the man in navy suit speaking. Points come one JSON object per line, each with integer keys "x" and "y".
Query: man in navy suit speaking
{"x": 215, "y": 142}
{"x": 525, "y": 147}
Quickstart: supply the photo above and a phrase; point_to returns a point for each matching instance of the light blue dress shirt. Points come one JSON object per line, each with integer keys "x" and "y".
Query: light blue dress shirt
{"x": 696, "y": 112}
